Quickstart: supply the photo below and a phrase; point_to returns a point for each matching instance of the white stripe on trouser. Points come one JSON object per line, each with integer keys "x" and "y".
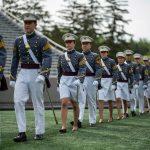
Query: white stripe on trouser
{"x": 26, "y": 84}
{"x": 88, "y": 94}
{"x": 141, "y": 97}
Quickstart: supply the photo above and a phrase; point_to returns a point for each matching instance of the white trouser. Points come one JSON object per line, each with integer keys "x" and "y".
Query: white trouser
{"x": 133, "y": 99}
{"x": 147, "y": 91}
{"x": 26, "y": 84}
{"x": 89, "y": 95}
{"x": 141, "y": 97}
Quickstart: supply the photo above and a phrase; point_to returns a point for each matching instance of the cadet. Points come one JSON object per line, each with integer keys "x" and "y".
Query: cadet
{"x": 124, "y": 77}
{"x": 92, "y": 79}
{"x": 33, "y": 51}
{"x": 133, "y": 101}
{"x": 143, "y": 75}
{"x": 3, "y": 84}
{"x": 71, "y": 73}
{"x": 106, "y": 93}
{"x": 147, "y": 91}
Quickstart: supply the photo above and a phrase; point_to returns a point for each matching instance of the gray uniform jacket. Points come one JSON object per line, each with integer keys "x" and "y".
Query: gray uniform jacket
{"x": 41, "y": 49}
{"x": 78, "y": 61}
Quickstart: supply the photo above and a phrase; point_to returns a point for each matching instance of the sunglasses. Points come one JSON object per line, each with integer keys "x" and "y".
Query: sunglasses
{"x": 68, "y": 41}
{"x": 104, "y": 52}
{"x": 85, "y": 43}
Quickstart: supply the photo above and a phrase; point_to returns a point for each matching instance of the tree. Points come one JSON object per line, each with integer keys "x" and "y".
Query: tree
{"x": 18, "y": 7}
{"x": 82, "y": 19}
{"x": 115, "y": 21}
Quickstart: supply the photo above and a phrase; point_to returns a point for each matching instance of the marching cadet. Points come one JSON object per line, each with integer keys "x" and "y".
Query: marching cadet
{"x": 91, "y": 81}
{"x": 71, "y": 73}
{"x": 106, "y": 93}
{"x": 3, "y": 84}
{"x": 133, "y": 100}
{"x": 34, "y": 52}
{"x": 124, "y": 77}
{"x": 147, "y": 91}
{"x": 143, "y": 76}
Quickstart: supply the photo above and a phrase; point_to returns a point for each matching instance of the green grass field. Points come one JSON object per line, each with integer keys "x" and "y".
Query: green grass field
{"x": 129, "y": 134}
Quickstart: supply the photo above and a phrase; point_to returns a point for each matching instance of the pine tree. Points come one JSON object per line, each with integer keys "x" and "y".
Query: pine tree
{"x": 18, "y": 7}
{"x": 115, "y": 21}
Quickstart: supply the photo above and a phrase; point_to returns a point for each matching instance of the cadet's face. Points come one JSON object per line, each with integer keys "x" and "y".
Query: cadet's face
{"x": 128, "y": 57}
{"x": 70, "y": 44}
{"x": 120, "y": 60}
{"x": 29, "y": 26}
{"x": 146, "y": 62}
{"x": 86, "y": 46}
{"x": 137, "y": 60}
{"x": 104, "y": 54}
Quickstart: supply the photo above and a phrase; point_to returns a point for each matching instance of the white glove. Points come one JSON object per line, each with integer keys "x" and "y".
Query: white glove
{"x": 40, "y": 79}
{"x": 77, "y": 82}
{"x": 144, "y": 87}
{"x": 57, "y": 88}
{"x": 136, "y": 86}
{"x": 95, "y": 83}
{"x": 113, "y": 87}
{"x": 12, "y": 83}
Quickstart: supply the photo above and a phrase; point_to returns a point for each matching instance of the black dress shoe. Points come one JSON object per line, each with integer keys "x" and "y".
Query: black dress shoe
{"x": 127, "y": 115}
{"x": 133, "y": 113}
{"x": 63, "y": 131}
{"x": 92, "y": 124}
{"x": 79, "y": 123}
{"x": 38, "y": 137}
{"x": 21, "y": 137}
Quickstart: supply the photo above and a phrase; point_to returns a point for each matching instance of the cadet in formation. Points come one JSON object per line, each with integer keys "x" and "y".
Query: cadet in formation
{"x": 106, "y": 93}
{"x": 147, "y": 90}
{"x": 124, "y": 76}
{"x": 34, "y": 53}
{"x": 3, "y": 84}
{"x": 143, "y": 77}
{"x": 71, "y": 74}
{"x": 133, "y": 98}
{"x": 91, "y": 81}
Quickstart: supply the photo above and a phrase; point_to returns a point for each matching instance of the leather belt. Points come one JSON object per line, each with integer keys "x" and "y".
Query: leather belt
{"x": 30, "y": 66}
{"x": 90, "y": 74}
{"x": 70, "y": 73}
{"x": 107, "y": 76}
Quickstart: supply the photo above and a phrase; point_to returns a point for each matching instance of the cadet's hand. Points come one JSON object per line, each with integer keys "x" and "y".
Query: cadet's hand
{"x": 57, "y": 87}
{"x": 136, "y": 86}
{"x": 77, "y": 82}
{"x": 95, "y": 83}
{"x": 130, "y": 86}
{"x": 144, "y": 87}
{"x": 113, "y": 87}
{"x": 12, "y": 83}
{"x": 40, "y": 79}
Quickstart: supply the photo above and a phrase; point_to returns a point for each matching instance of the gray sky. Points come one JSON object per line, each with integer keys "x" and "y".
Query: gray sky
{"x": 139, "y": 14}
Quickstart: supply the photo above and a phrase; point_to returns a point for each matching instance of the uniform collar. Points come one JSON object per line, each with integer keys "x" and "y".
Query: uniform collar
{"x": 128, "y": 61}
{"x": 31, "y": 35}
{"x": 104, "y": 58}
{"x": 87, "y": 52}
{"x": 121, "y": 64}
{"x": 70, "y": 51}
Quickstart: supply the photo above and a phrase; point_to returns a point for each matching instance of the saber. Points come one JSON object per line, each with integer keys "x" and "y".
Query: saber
{"x": 51, "y": 106}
